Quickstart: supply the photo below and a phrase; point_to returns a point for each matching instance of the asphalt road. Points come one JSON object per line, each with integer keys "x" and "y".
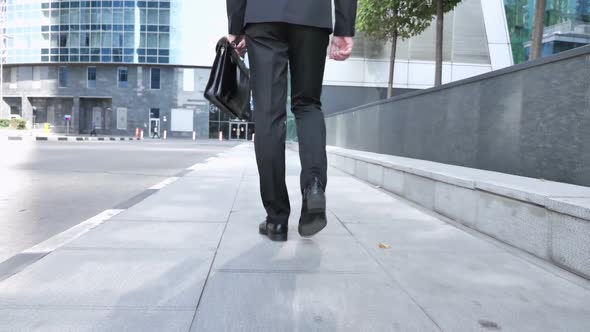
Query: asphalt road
{"x": 48, "y": 187}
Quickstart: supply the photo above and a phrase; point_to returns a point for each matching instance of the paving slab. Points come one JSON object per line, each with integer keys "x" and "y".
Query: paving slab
{"x": 307, "y": 302}
{"x": 242, "y": 248}
{"x": 253, "y": 217}
{"x": 152, "y": 235}
{"x": 421, "y": 235}
{"x": 468, "y": 290}
{"x": 206, "y": 199}
{"x": 145, "y": 278}
{"x": 94, "y": 320}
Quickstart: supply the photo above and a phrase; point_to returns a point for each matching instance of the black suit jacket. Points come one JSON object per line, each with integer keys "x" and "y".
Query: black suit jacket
{"x": 316, "y": 13}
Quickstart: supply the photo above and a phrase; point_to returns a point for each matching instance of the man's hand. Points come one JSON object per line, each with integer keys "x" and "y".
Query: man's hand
{"x": 239, "y": 43}
{"x": 341, "y": 48}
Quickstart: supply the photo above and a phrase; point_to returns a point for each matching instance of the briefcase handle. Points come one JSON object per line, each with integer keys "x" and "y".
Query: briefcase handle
{"x": 235, "y": 57}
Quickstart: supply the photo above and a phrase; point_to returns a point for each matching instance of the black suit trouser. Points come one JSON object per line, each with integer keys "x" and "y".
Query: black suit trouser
{"x": 274, "y": 50}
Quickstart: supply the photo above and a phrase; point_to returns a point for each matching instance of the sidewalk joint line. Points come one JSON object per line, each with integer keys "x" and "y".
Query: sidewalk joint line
{"x": 254, "y": 271}
{"x": 172, "y": 221}
{"x": 161, "y": 249}
{"x": 217, "y": 249}
{"x": 393, "y": 279}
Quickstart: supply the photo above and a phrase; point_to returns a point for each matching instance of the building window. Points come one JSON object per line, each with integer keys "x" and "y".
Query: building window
{"x": 155, "y": 78}
{"x": 63, "y": 40}
{"x": 15, "y": 110}
{"x": 154, "y": 113}
{"x": 13, "y": 72}
{"x": 123, "y": 78}
{"x": 188, "y": 78}
{"x": 91, "y": 77}
{"x": 36, "y": 74}
{"x": 63, "y": 77}
{"x": 36, "y": 78}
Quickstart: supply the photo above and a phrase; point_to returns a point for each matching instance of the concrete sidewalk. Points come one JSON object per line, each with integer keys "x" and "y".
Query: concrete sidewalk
{"x": 189, "y": 258}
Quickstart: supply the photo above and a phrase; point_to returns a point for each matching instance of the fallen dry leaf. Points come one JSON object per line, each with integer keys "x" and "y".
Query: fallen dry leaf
{"x": 384, "y": 246}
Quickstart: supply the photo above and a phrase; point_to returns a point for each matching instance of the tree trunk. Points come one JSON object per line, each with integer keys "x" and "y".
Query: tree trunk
{"x": 392, "y": 64}
{"x": 539, "y": 23}
{"x": 439, "y": 43}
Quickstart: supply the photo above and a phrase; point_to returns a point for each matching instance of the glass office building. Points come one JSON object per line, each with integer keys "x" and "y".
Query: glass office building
{"x": 567, "y": 26}
{"x": 88, "y": 31}
{"x": 113, "y": 66}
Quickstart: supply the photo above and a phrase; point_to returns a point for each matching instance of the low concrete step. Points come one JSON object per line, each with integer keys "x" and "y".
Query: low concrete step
{"x": 550, "y": 220}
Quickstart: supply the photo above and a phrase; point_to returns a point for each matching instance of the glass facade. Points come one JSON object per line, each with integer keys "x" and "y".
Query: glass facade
{"x": 230, "y": 128}
{"x": 43, "y": 31}
{"x": 465, "y": 40}
{"x": 570, "y": 17}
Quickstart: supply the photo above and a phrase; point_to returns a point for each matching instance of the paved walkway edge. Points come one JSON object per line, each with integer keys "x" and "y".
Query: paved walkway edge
{"x": 549, "y": 220}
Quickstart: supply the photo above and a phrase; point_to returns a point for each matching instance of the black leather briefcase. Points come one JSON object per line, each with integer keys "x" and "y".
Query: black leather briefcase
{"x": 229, "y": 84}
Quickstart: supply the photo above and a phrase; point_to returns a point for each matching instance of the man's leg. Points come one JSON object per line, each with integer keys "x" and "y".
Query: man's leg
{"x": 268, "y": 58}
{"x": 307, "y": 56}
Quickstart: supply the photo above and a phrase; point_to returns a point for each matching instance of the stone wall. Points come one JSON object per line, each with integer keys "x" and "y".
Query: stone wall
{"x": 531, "y": 120}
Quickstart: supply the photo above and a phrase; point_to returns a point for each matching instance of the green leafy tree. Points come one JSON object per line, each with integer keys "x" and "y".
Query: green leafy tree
{"x": 440, "y": 7}
{"x": 388, "y": 20}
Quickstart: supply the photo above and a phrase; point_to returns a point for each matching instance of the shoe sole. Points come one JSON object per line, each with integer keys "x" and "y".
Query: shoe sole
{"x": 277, "y": 237}
{"x": 282, "y": 237}
{"x": 318, "y": 223}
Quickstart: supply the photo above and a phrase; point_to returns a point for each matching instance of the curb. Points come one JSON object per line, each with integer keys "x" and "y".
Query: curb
{"x": 22, "y": 260}
{"x": 67, "y": 138}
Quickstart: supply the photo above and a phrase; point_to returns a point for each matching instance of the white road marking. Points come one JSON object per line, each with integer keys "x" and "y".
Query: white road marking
{"x": 164, "y": 183}
{"x": 196, "y": 167}
{"x": 73, "y": 233}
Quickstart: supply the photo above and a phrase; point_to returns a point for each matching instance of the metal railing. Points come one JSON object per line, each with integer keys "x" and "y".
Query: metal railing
{"x": 568, "y": 27}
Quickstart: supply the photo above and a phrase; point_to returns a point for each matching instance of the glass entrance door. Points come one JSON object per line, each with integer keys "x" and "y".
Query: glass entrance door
{"x": 154, "y": 129}
{"x": 238, "y": 131}
{"x": 96, "y": 117}
{"x": 233, "y": 131}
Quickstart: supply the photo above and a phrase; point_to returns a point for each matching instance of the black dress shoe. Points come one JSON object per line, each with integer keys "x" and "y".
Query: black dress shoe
{"x": 313, "y": 211}
{"x": 275, "y": 232}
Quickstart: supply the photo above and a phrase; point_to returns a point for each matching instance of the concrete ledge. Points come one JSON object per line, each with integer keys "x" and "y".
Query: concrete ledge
{"x": 550, "y": 220}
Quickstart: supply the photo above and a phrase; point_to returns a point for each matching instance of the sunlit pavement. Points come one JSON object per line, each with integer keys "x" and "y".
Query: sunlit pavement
{"x": 189, "y": 257}
{"x": 47, "y": 187}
